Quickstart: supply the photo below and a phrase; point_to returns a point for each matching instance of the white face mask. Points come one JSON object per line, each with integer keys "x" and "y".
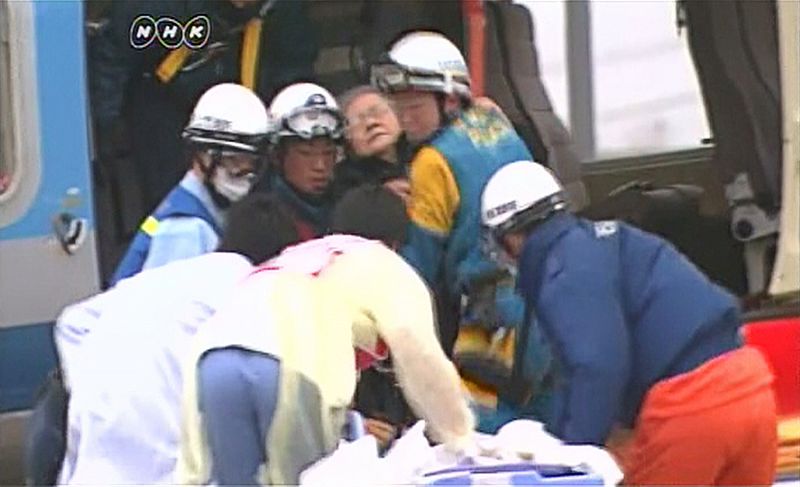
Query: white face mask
{"x": 232, "y": 188}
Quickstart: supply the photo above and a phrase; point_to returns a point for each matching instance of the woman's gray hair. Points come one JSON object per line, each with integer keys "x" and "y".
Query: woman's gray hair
{"x": 348, "y": 97}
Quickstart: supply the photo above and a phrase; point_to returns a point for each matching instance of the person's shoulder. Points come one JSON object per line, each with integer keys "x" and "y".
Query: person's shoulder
{"x": 371, "y": 254}
{"x": 223, "y": 259}
{"x": 427, "y": 156}
{"x": 180, "y": 225}
{"x": 580, "y": 248}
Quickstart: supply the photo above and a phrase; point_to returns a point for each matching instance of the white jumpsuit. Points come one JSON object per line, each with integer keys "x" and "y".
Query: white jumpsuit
{"x": 121, "y": 353}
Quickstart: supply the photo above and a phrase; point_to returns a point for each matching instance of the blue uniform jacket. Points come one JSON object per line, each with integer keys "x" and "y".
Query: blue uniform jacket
{"x": 187, "y": 223}
{"x": 622, "y": 309}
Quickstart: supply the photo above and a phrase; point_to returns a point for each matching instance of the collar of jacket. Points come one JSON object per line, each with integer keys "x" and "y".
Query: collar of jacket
{"x": 377, "y": 168}
{"x": 316, "y": 211}
{"x": 537, "y": 246}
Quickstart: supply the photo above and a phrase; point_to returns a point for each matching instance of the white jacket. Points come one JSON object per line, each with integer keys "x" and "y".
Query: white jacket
{"x": 120, "y": 353}
{"x": 309, "y": 308}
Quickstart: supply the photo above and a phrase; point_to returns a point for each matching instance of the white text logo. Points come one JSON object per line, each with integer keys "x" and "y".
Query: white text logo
{"x": 170, "y": 33}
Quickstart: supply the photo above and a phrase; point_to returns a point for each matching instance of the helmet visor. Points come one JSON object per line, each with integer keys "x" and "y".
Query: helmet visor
{"x": 392, "y": 77}
{"x": 310, "y": 122}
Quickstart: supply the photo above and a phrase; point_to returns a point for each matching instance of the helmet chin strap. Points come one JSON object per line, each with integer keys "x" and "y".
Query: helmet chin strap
{"x": 444, "y": 117}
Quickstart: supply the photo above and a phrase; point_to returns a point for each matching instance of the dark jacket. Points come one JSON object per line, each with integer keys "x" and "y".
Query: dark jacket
{"x": 352, "y": 173}
{"x": 356, "y": 171}
{"x": 312, "y": 217}
{"x": 622, "y": 310}
{"x": 123, "y": 85}
{"x": 379, "y": 397}
{"x": 287, "y": 51}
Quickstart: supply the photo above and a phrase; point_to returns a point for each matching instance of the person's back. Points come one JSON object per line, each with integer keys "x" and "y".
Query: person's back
{"x": 125, "y": 379}
{"x": 671, "y": 340}
{"x": 122, "y": 351}
{"x": 647, "y": 276}
{"x": 642, "y": 337}
{"x": 300, "y": 326}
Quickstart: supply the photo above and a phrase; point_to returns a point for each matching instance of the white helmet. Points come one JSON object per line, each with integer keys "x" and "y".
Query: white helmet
{"x": 425, "y": 61}
{"x": 229, "y": 115}
{"x": 306, "y": 110}
{"x": 518, "y": 194}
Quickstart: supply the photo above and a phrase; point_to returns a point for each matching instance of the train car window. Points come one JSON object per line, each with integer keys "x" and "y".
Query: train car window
{"x": 646, "y": 93}
{"x": 20, "y": 164}
{"x": 6, "y": 149}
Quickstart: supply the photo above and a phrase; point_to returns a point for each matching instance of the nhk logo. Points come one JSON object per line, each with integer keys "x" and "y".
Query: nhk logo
{"x": 170, "y": 33}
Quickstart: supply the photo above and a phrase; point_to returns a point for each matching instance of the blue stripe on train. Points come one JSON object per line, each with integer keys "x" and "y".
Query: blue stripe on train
{"x": 27, "y": 354}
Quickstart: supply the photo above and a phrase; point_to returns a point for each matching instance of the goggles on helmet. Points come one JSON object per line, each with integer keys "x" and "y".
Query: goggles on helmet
{"x": 392, "y": 77}
{"x": 310, "y": 122}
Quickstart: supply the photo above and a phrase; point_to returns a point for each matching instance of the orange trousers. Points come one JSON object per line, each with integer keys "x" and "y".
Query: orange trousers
{"x": 715, "y": 425}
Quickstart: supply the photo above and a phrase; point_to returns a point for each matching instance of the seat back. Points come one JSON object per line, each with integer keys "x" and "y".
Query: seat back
{"x": 513, "y": 80}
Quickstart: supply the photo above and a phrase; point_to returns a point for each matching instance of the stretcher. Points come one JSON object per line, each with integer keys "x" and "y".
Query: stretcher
{"x": 513, "y": 474}
{"x": 521, "y": 453}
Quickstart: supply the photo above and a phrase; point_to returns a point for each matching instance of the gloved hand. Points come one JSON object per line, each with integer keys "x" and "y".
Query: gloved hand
{"x": 383, "y": 431}
{"x": 460, "y": 450}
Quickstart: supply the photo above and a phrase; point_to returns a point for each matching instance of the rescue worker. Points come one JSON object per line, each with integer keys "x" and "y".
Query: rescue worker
{"x": 643, "y": 338}
{"x": 225, "y": 141}
{"x": 276, "y": 369}
{"x": 309, "y": 129}
{"x": 460, "y": 145}
{"x": 143, "y": 97}
{"x": 121, "y": 351}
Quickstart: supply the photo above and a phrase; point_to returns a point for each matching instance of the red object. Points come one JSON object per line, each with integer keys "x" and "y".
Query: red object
{"x": 475, "y": 20}
{"x": 365, "y": 358}
{"x": 779, "y": 341}
{"x": 714, "y": 425}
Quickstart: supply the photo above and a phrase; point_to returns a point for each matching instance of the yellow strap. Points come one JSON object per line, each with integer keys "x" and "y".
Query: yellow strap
{"x": 172, "y": 63}
{"x": 250, "y": 47}
{"x": 149, "y": 226}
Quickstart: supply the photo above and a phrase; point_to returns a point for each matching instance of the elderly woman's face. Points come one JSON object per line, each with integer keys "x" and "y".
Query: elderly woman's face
{"x": 372, "y": 126}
